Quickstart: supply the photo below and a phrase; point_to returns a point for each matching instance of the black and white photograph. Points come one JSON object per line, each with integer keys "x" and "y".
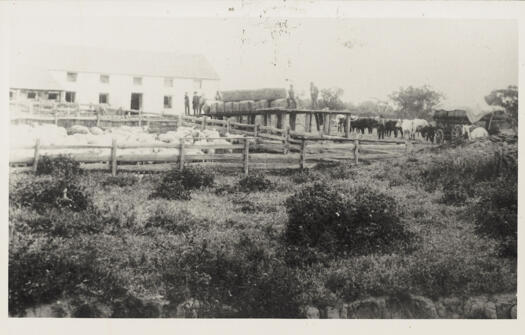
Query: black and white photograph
{"x": 216, "y": 165}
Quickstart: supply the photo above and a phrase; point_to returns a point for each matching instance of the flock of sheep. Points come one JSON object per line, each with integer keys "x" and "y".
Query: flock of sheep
{"x": 23, "y": 138}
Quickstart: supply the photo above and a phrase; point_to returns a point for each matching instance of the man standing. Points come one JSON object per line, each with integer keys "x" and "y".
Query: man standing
{"x": 381, "y": 128}
{"x": 195, "y": 103}
{"x": 218, "y": 96}
{"x": 314, "y": 94}
{"x": 291, "y": 98}
{"x": 202, "y": 101}
{"x": 186, "y": 104}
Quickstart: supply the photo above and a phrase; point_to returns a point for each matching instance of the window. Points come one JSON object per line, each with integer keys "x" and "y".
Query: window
{"x": 167, "y": 101}
{"x": 197, "y": 83}
{"x": 52, "y": 96}
{"x": 72, "y": 76}
{"x": 137, "y": 80}
{"x": 103, "y": 98}
{"x": 70, "y": 96}
{"x": 168, "y": 82}
{"x": 11, "y": 95}
{"x": 31, "y": 95}
{"x": 104, "y": 78}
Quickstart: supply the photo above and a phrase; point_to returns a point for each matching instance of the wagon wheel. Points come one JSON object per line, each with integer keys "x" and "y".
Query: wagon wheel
{"x": 456, "y": 132}
{"x": 440, "y": 136}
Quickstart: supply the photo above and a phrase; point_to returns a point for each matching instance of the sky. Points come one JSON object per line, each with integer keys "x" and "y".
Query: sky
{"x": 367, "y": 58}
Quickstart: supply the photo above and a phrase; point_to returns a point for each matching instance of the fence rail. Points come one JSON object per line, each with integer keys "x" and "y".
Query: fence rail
{"x": 273, "y": 139}
{"x": 113, "y": 158}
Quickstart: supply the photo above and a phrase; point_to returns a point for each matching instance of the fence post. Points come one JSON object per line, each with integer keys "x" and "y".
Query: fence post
{"x": 228, "y": 125}
{"x": 140, "y": 118}
{"x": 245, "y": 155}
{"x": 303, "y": 154}
{"x": 348, "y": 126}
{"x": 356, "y": 151}
{"x": 256, "y": 130}
{"x": 114, "y": 157}
{"x": 181, "y": 154}
{"x": 98, "y": 120}
{"x": 179, "y": 121}
{"x": 203, "y": 124}
{"x": 36, "y": 155}
{"x": 286, "y": 140}
{"x": 56, "y": 118}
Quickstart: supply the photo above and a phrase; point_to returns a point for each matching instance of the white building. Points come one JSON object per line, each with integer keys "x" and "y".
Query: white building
{"x": 154, "y": 82}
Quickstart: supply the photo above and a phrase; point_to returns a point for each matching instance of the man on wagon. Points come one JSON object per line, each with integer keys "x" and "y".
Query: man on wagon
{"x": 195, "y": 102}
{"x": 186, "y": 104}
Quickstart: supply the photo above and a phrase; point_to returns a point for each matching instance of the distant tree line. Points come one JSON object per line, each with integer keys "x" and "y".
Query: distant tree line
{"x": 412, "y": 102}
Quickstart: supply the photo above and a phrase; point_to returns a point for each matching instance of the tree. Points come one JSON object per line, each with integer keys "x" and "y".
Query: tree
{"x": 416, "y": 102}
{"x": 506, "y": 98}
{"x": 375, "y": 108}
{"x": 331, "y": 98}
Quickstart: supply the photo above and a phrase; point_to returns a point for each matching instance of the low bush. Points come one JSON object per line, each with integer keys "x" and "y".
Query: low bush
{"x": 361, "y": 222}
{"x": 43, "y": 270}
{"x": 306, "y": 176}
{"x": 255, "y": 182}
{"x": 64, "y": 223}
{"x": 61, "y": 166}
{"x": 171, "y": 190}
{"x": 191, "y": 177}
{"x": 120, "y": 180}
{"x": 242, "y": 275}
{"x": 176, "y": 184}
{"x": 496, "y": 214}
{"x": 48, "y": 193}
{"x": 336, "y": 170}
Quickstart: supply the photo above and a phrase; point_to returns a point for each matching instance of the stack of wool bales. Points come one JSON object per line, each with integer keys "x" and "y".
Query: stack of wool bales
{"x": 279, "y": 103}
{"x": 247, "y": 101}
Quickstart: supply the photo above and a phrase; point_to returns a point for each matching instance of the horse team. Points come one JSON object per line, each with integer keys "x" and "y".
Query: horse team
{"x": 386, "y": 127}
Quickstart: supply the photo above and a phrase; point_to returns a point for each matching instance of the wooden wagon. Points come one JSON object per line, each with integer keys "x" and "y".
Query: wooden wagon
{"x": 450, "y": 122}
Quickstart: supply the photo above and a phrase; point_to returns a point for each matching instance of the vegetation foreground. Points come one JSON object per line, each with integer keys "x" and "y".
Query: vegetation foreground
{"x": 438, "y": 223}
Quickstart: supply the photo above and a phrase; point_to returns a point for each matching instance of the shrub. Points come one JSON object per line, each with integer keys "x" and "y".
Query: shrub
{"x": 50, "y": 193}
{"x": 336, "y": 170}
{"x": 496, "y": 214}
{"x": 242, "y": 275}
{"x": 120, "y": 180}
{"x": 61, "y": 166}
{"x": 306, "y": 176}
{"x": 367, "y": 221}
{"x": 256, "y": 182}
{"x": 43, "y": 270}
{"x": 176, "y": 184}
{"x": 65, "y": 223}
{"x": 191, "y": 177}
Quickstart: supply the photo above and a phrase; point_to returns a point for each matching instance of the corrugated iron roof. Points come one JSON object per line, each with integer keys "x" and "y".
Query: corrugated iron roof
{"x": 116, "y": 61}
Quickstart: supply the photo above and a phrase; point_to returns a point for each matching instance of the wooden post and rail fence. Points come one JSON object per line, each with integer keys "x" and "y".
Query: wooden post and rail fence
{"x": 277, "y": 140}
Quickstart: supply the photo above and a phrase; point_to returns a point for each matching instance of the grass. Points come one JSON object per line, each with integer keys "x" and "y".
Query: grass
{"x": 230, "y": 241}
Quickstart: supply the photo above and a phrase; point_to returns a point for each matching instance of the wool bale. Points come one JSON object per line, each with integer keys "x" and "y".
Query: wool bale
{"x": 213, "y": 108}
{"x": 260, "y": 104}
{"x": 247, "y": 106}
{"x": 279, "y": 103}
{"x": 235, "y": 107}
{"x": 257, "y": 94}
{"x": 220, "y": 107}
{"x": 228, "y": 107}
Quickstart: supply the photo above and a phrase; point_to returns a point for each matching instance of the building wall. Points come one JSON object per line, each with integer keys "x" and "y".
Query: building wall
{"x": 88, "y": 87}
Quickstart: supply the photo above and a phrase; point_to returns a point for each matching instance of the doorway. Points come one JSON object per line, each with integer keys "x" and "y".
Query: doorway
{"x": 136, "y": 101}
